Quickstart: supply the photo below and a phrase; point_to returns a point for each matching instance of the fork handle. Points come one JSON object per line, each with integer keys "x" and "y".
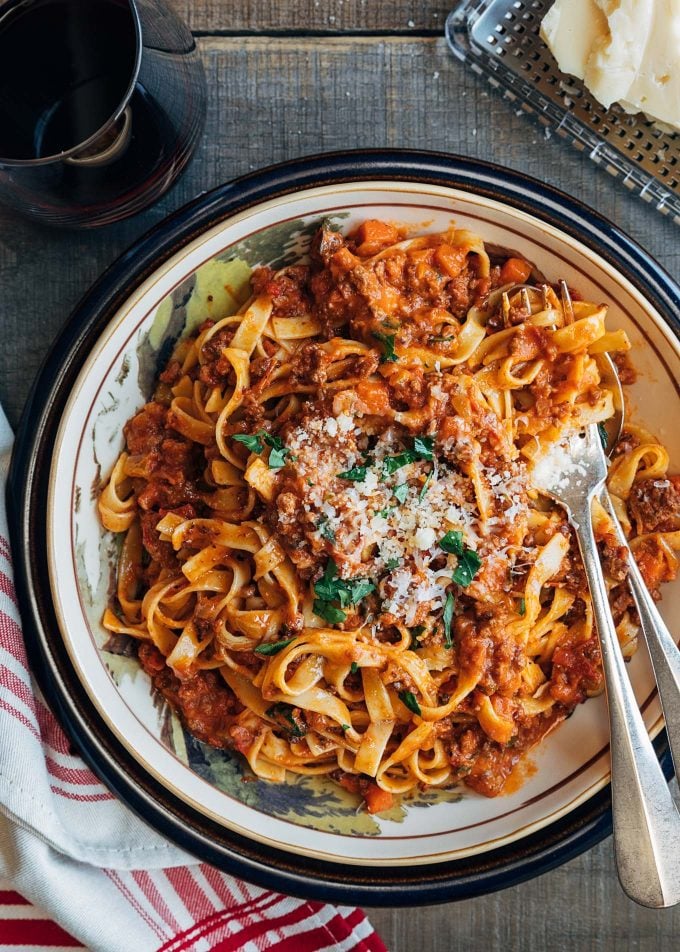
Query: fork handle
{"x": 646, "y": 821}
{"x": 662, "y": 648}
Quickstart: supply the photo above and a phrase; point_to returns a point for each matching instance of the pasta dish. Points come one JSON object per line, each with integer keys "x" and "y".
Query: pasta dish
{"x": 334, "y": 560}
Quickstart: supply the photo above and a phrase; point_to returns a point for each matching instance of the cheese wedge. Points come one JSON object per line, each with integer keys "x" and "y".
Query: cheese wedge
{"x": 626, "y": 51}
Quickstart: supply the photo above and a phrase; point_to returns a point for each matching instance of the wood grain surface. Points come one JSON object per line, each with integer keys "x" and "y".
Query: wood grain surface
{"x": 318, "y": 16}
{"x": 272, "y": 97}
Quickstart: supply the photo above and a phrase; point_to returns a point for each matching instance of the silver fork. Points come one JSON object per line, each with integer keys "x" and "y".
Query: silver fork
{"x": 646, "y": 820}
{"x": 663, "y": 650}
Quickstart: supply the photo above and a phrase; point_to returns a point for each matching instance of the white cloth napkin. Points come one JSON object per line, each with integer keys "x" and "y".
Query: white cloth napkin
{"x": 70, "y": 847}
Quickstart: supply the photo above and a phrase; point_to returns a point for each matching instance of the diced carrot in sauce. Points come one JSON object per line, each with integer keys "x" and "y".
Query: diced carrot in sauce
{"x": 450, "y": 260}
{"x": 377, "y": 799}
{"x": 515, "y": 271}
{"x": 374, "y": 394}
{"x": 653, "y": 564}
{"x": 342, "y": 261}
{"x": 372, "y": 236}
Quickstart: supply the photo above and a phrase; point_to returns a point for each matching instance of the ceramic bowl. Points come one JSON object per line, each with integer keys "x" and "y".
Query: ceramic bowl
{"x": 304, "y": 836}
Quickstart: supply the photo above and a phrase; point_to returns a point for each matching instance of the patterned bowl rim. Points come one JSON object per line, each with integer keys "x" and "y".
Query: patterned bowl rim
{"x": 27, "y": 508}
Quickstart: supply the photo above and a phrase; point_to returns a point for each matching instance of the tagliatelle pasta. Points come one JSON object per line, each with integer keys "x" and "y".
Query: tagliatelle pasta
{"x": 334, "y": 558}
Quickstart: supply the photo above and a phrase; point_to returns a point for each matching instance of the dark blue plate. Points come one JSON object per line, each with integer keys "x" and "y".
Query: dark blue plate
{"x": 27, "y": 504}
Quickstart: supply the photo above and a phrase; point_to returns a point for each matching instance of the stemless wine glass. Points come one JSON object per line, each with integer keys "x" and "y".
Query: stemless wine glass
{"x": 101, "y": 106}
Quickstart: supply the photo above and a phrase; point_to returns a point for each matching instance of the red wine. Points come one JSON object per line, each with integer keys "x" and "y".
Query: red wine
{"x": 81, "y": 63}
{"x": 67, "y": 68}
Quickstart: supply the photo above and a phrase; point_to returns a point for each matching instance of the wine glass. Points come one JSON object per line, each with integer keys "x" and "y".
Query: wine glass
{"x": 102, "y": 103}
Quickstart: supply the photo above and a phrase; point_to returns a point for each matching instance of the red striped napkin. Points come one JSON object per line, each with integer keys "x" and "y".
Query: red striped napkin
{"x": 94, "y": 875}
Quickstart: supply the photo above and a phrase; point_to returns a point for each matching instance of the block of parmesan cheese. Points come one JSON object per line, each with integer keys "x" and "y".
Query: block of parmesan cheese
{"x": 626, "y": 51}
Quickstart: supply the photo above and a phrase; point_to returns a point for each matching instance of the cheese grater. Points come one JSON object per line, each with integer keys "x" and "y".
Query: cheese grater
{"x": 499, "y": 39}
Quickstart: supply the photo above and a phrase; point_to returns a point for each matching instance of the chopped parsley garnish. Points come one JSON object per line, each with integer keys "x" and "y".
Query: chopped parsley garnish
{"x": 354, "y": 667}
{"x": 452, "y": 542}
{"x": 522, "y": 606}
{"x": 251, "y": 442}
{"x": 448, "y": 618}
{"x": 604, "y": 436}
{"x": 256, "y": 443}
{"x": 355, "y": 589}
{"x": 386, "y": 511}
{"x": 277, "y": 457}
{"x": 357, "y": 474}
{"x": 423, "y": 447}
{"x": 401, "y": 492}
{"x": 392, "y": 463}
{"x": 284, "y": 712}
{"x": 409, "y": 699}
{"x": 392, "y": 564}
{"x": 415, "y": 634}
{"x": 330, "y": 588}
{"x": 387, "y": 340}
{"x": 328, "y": 612}
{"x": 345, "y": 727}
{"x": 326, "y": 529}
{"x": 272, "y": 647}
{"x": 469, "y": 564}
{"x": 426, "y": 485}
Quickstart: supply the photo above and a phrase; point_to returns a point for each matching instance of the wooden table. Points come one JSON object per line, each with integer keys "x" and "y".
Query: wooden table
{"x": 295, "y": 77}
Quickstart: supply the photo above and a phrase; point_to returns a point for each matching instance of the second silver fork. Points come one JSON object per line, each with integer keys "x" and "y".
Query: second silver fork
{"x": 646, "y": 820}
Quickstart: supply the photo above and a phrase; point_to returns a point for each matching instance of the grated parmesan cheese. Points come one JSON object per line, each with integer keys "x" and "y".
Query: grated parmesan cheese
{"x": 392, "y": 539}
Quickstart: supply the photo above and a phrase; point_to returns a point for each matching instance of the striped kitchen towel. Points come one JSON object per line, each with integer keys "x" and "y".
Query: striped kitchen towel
{"x": 78, "y": 869}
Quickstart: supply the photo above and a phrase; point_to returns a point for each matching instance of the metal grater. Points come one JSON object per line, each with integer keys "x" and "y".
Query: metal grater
{"x": 499, "y": 39}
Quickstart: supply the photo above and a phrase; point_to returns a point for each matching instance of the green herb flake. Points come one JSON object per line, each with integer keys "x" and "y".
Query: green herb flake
{"x": 401, "y": 492}
{"x": 272, "y": 647}
{"x": 281, "y": 711}
{"x": 415, "y": 634}
{"x": 469, "y": 564}
{"x": 423, "y": 447}
{"x": 387, "y": 340}
{"x": 408, "y": 698}
{"x": 392, "y": 564}
{"x": 522, "y": 606}
{"x": 357, "y": 474}
{"x": 452, "y": 542}
{"x": 330, "y": 589}
{"x": 354, "y": 667}
{"x": 326, "y": 587}
{"x": 277, "y": 458}
{"x": 345, "y": 727}
{"x": 251, "y": 442}
{"x": 426, "y": 486}
{"x": 256, "y": 443}
{"x": 448, "y": 618}
{"x": 328, "y": 612}
{"x": 392, "y": 463}
{"x": 354, "y": 590}
{"x": 604, "y": 436}
{"x": 326, "y": 530}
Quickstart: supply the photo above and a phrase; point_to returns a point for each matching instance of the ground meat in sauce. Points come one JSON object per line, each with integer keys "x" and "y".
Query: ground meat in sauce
{"x": 205, "y": 703}
{"x": 576, "y": 671}
{"x": 614, "y": 558}
{"x": 494, "y": 763}
{"x": 654, "y": 505}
